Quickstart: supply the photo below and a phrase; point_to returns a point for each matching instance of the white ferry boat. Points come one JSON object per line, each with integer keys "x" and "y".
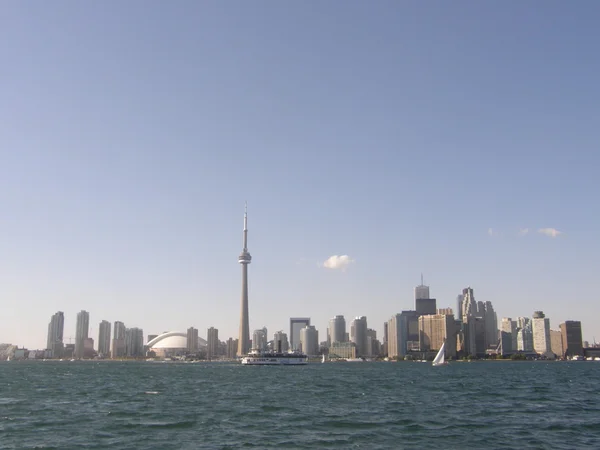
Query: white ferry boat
{"x": 255, "y": 358}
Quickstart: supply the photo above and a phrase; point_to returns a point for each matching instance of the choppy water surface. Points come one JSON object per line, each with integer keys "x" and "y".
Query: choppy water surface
{"x": 147, "y": 405}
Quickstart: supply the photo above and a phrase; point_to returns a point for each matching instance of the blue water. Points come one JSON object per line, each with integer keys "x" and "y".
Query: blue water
{"x": 143, "y": 405}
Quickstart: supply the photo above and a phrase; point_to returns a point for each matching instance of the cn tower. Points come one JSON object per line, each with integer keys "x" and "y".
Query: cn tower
{"x": 244, "y": 260}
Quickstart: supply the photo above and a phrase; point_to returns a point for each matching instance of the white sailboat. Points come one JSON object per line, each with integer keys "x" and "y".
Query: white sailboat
{"x": 323, "y": 360}
{"x": 439, "y": 359}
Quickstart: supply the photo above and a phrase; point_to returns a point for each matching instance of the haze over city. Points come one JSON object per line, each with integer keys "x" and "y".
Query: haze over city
{"x": 373, "y": 143}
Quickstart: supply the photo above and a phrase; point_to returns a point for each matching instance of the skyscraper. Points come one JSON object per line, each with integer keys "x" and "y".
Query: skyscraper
{"x": 541, "y": 333}
{"x": 280, "y": 342}
{"x": 359, "y": 337}
{"x": 421, "y": 291}
{"x": 297, "y": 324}
{"x": 309, "y": 340}
{"x": 571, "y": 338}
{"x": 118, "y": 343}
{"x": 134, "y": 342}
{"x": 212, "y": 339}
{"x": 259, "y": 339}
{"x": 81, "y": 332}
{"x": 104, "y": 339}
{"x": 192, "y": 340}
{"x": 244, "y": 259}
{"x": 337, "y": 329}
{"x": 55, "y": 334}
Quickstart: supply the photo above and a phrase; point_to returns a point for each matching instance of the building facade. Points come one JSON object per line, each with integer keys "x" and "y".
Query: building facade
{"x": 118, "y": 343}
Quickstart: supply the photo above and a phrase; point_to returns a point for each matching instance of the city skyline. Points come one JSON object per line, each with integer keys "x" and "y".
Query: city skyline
{"x": 373, "y": 142}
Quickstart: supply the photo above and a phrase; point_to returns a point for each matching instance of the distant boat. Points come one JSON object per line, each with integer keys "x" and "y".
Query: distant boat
{"x": 439, "y": 358}
{"x": 323, "y": 360}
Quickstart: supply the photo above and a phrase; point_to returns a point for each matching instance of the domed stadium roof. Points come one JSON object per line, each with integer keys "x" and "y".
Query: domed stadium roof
{"x": 172, "y": 339}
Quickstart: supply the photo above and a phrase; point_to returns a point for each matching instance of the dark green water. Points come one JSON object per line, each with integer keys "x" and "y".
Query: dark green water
{"x": 338, "y": 405}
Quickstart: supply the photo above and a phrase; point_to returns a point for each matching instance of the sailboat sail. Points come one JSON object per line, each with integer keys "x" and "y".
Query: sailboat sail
{"x": 439, "y": 358}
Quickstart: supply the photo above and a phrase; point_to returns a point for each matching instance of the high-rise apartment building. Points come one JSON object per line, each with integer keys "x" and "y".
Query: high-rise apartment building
{"x": 212, "y": 340}
{"x": 297, "y": 324}
{"x": 259, "y": 339}
{"x": 81, "y": 333}
{"x": 309, "y": 340}
{"x": 232, "y": 348}
{"x": 337, "y": 329}
{"x": 280, "y": 342}
{"x": 104, "y": 339}
{"x": 118, "y": 343}
{"x": 396, "y": 344}
{"x": 359, "y": 337}
{"x": 134, "y": 342}
{"x": 572, "y": 344}
{"x": 384, "y": 344}
{"x": 55, "y": 334}
{"x": 192, "y": 340}
{"x": 540, "y": 326}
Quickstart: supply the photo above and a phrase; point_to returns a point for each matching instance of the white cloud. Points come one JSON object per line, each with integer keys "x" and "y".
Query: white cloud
{"x": 336, "y": 262}
{"x": 550, "y": 232}
{"x": 492, "y": 232}
{"x": 523, "y": 231}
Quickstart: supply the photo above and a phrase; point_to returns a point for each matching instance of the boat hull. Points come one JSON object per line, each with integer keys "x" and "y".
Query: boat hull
{"x": 248, "y": 361}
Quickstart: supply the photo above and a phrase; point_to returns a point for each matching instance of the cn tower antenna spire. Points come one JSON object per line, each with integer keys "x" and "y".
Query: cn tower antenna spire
{"x": 245, "y": 226}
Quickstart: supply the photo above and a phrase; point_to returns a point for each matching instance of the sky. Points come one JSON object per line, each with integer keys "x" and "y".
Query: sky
{"x": 373, "y": 141}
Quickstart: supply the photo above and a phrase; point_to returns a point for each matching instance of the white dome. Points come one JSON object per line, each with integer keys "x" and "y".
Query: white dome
{"x": 172, "y": 339}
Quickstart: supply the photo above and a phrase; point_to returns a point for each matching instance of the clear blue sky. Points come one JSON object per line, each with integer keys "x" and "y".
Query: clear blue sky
{"x": 412, "y": 136}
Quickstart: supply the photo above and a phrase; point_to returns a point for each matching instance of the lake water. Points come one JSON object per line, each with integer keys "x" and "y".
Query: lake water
{"x": 144, "y": 405}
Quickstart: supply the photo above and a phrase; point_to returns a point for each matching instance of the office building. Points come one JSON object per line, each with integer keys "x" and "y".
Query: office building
{"x": 525, "y": 339}
{"x": 342, "y": 350}
{"x": 468, "y": 305}
{"x": 403, "y": 334}
{"x": 445, "y": 311}
{"x": 509, "y": 327}
{"x": 309, "y": 340}
{"x": 434, "y": 330}
{"x": 104, "y": 339}
{"x": 297, "y": 324}
{"x": 55, "y": 335}
{"x": 572, "y": 344}
{"x": 384, "y": 344}
{"x": 421, "y": 291}
{"x": 81, "y": 333}
{"x": 359, "y": 337}
{"x": 118, "y": 343}
{"x": 212, "y": 343}
{"x": 244, "y": 259}
{"x": 540, "y": 326}
{"x": 337, "y": 329}
{"x": 556, "y": 343}
{"x": 192, "y": 340}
